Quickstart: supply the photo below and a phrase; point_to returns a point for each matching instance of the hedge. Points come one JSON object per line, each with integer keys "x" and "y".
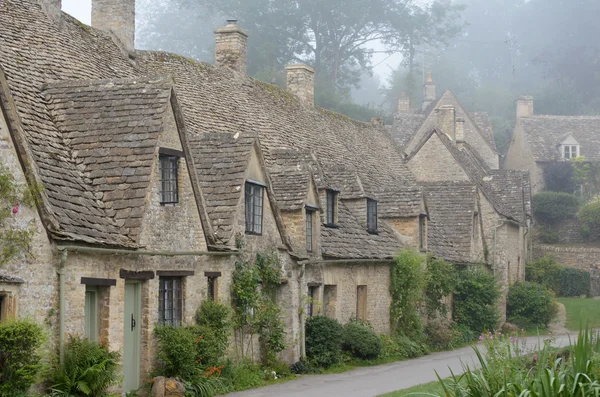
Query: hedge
{"x": 551, "y": 207}
{"x": 574, "y": 282}
{"x": 530, "y": 304}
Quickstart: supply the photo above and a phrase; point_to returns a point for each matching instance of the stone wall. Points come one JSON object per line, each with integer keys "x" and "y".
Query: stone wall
{"x": 231, "y": 47}
{"x": 435, "y": 163}
{"x": 295, "y": 225}
{"x": 301, "y": 82}
{"x": 408, "y": 231}
{"x": 518, "y": 157}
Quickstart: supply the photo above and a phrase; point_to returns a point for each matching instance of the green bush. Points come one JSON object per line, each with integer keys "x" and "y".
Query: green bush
{"x": 574, "y": 282}
{"x": 589, "y": 218}
{"x": 361, "y": 341}
{"x": 530, "y": 305}
{"x": 440, "y": 280}
{"x": 324, "y": 341}
{"x": 409, "y": 348}
{"x": 476, "y": 300}
{"x": 440, "y": 334}
{"x": 548, "y": 236}
{"x": 545, "y": 271}
{"x": 178, "y": 352}
{"x": 88, "y": 370}
{"x": 20, "y": 342}
{"x": 407, "y": 280}
{"x": 551, "y": 207}
{"x": 216, "y": 327}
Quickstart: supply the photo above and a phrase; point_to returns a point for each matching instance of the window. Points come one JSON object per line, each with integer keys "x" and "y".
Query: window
{"x": 331, "y": 206}
{"x": 7, "y": 305}
{"x": 213, "y": 289}
{"x": 91, "y": 313}
{"x": 309, "y": 229}
{"x": 254, "y": 208}
{"x": 312, "y": 301}
{"x": 170, "y": 301}
{"x": 169, "y": 189}
{"x": 570, "y": 151}
{"x": 361, "y": 302}
{"x": 475, "y": 224}
{"x": 371, "y": 215}
{"x": 422, "y": 231}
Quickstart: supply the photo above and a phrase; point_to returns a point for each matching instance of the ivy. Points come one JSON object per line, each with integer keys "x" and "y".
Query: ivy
{"x": 440, "y": 281}
{"x": 253, "y": 291}
{"x": 13, "y": 240}
{"x": 406, "y": 288}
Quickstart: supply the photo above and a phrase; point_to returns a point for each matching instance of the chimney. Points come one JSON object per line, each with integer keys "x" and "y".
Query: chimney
{"x": 301, "y": 83}
{"x": 117, "y": 17}
{"x": 446, "y": 121}
{"x": 460, "y": 130}
{"x": 524, "y": 106}
{"x": 428, "y": 91}
{"x": 403, "y": 103}
{"x": 52, "y": 8}
{"x": 231, "y": 47}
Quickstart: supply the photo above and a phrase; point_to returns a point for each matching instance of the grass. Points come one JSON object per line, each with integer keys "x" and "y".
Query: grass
{"x": 426, "y": 388}
{"x": 581, "y": 311}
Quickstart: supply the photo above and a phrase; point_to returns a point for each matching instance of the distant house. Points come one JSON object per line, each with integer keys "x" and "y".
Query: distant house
{"x": 540, "y": 140}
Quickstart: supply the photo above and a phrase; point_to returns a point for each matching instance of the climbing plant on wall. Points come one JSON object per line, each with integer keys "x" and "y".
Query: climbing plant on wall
{"x": 406, "y": 289}
{"x": 14, "y": 239}
{"x": 253, "y": 297}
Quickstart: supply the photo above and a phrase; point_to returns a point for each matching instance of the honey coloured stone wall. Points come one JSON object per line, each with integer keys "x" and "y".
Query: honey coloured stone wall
{"x": 435, "y": 163}
{"x": 408, "y": 229}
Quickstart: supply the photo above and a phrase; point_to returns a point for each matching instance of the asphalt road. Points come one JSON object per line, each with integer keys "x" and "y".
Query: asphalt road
{"x": 372, "y": 381}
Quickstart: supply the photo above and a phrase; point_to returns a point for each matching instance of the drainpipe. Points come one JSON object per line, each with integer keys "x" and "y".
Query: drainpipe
{"x": 61, "y": 305}
{"x": 302, "y": 314}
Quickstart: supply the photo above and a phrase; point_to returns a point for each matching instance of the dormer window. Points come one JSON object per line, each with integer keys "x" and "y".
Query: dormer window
{"x": 254, "y": 207}
{"x": 570, "y": 151}
{"x": 332, "y": 197}
{"x": 371, "y": 216}
{"x": 169, "y": 169}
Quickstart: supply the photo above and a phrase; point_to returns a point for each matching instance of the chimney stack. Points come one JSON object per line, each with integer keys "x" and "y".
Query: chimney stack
{"x": 428, "y": 91}
{"x": 403, "y": 103}
{"x": 460, "y": 130}
{"x": 231, "y": 47}
{"x": 524, "y": 106}
{"x": 301, "y": 83}
{"x": 52, "y": 8}
{"x": 117, "y": 17}
{"x": 446, "y": 121}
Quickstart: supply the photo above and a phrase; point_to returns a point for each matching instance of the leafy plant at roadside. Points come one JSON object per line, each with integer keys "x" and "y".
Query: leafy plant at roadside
{"x": 215, "y": 319}
{"x": 20, "y": 360}
{"x": 552, "y": 207}
{"x": 440, "y": 333}
{"x": 324, "y": 341}
{"x": 406, "y": 288}
{"x": 476, "y": 299}
{"x": 530, "y": 305}
{"x": 178, "y": 352}
{"x": 361, "y": 341}
{"x": 545, "y": 271}
{"x": 89, "y": 369}
{"x": 574, "y": 282}
{"x": 440, "y": 280}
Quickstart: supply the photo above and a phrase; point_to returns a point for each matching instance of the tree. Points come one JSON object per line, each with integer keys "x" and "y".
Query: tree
{"x": 14, "y": 239}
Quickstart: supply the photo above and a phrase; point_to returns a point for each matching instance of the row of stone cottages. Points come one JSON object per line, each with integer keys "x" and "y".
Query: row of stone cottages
{"x": 157, "y": 169}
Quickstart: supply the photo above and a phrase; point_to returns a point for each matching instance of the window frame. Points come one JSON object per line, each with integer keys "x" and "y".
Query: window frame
{"x": 422, "y": 232}
{"x": 372, "y": 206}
{"x": 312, "y": 291}
{"x": 573, "y": 151}
{"x": 310, "y": 228}
{"x": 213, "y": 288}
{"x": 252, "y": 203}
{"x": 91, "y": 317}
{"x": 176, "y": 299}
{"x": 361, "y": 302}
{"x": 169, "y": 177}
{"x": 331, "y": 199}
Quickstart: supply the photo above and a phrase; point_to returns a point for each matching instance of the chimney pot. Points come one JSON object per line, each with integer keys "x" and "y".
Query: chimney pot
{"x": 301, "y": 83}
{"x": 524, "y": 106}
{"x": 117, "y": 17}
{"x": 429, "y": 95}
{"x": 231, "y": 47}
{"x": 403, "y": 103}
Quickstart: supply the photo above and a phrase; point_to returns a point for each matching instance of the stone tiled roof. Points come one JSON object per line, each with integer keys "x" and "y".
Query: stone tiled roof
{"x": 351, "y": 240}
{"x": 400, "y": 203}
{"x": 111, "y": 128}
{"x": 406, "y": 126}
{"x": 482, "y": 121}
{"x": 544, "y": 134}
{"x": 221, "y": 161}
{"x": 451, "y": 208}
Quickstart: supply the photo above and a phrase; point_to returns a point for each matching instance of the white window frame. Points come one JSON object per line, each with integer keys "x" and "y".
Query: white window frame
{"x": 573, "y": 151}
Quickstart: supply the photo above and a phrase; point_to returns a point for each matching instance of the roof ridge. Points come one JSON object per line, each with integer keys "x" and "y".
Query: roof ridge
{"x": 156, "y": 79}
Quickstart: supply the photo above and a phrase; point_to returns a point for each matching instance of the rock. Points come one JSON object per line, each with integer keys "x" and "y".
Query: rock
{"x": 167, "y": 387}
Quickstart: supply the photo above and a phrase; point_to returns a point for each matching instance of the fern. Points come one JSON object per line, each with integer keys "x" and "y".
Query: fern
{"x": 88, "y": 370}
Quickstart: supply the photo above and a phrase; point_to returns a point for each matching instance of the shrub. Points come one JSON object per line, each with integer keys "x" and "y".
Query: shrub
{"x": 361, "y": 341}
{"x": 20, "y": 365}
{"x": 324, "y": 341}
{"x": 406, "y": 289}
{"x": 439, "y": 333}
{"x": 530, "y": 304}
{"x": 409, "y": 348}
{"x": 589, "y": 218}
{"x": 558, "y": 176}
{"x": 574, "y": 282}
{"x": 302, "y": 367}
{"x": 178, "y": 352}
{"x": 548, "y": 236}
{"x": 440, "y": 280}
{"x": 88, "y": 370}
{"x": 215, "y": 320}
{"x": 476, "y": 300}
{"x": 545, "y": 271}
{"x": 551, "y": 207}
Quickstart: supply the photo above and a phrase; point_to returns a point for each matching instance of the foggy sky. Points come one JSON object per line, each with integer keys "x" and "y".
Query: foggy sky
{"x": 82, "y": 10}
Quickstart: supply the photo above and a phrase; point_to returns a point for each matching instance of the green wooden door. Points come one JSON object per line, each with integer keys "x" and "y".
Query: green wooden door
{"x": 131, "y": 340}
{"x": 91, "y": 313}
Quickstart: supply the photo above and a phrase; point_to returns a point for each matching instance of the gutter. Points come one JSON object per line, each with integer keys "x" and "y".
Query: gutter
{"x": 65, "y": 249}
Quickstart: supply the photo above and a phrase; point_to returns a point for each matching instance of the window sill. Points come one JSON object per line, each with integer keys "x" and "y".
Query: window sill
{"x": 169, "y": 204}
{"x": 253, "y": 233}
{"x": 374, "y": 231}
{"x": 332, "y": 225}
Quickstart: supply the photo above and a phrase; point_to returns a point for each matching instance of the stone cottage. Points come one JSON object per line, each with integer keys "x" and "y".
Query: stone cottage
{"x": 160, "y": 172}
{"x": 478, "y": 213}
{"x": 540, "y": 140}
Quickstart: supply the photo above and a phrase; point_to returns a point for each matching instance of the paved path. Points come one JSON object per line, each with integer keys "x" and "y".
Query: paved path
{"x": 372, "y": 381}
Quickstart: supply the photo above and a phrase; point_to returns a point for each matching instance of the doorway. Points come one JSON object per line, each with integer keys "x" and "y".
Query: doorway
{"x": 131, "y": 336}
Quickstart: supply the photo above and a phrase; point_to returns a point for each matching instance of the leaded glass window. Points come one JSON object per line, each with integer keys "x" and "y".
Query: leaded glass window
{"x": 254, "y": 208}
{"x": 331, "y": 206}
{"x": 170, "y": 301}
{"x": 169, "y": 189}
{"x": 371, "y": 215}
{"x": 309, "y": 230}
